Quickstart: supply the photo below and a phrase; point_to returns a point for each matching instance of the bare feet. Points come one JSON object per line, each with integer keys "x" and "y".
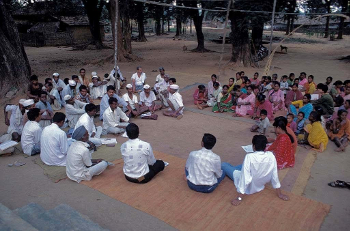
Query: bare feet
{"x": 236, "y": 202}
{"x": 234, "y": 115}
{"x": 283, "y": 197}
{"x": 199, "y": 107}
{"x": 340, "y": 149}
{"x": 179, "y": 117}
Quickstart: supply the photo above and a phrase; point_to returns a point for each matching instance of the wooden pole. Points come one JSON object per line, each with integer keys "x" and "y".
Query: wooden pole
{"x": 272, "y": 24}
{"x": 116, "y": 36}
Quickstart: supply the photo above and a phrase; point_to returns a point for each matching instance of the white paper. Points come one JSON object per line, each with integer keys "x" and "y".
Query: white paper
{"x": 165, "y": 163}
{"x": 248, "y": 148}
{"x": 125, "y": 135}
{"x": 7, "y": 144}
{"x": 108, "y": 140}
{"x": 315, "y": 96}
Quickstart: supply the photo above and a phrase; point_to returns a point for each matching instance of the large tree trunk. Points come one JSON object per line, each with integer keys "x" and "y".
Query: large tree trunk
{"x": 126, "y": 25}
{"x": 240, "y": 39}
{"x": 257, "y": 34}
{"x": 198, "y": 21}
{"x": 178, "y": 26}
{"x": 14, "y": 65}
{"x": 328, "y": 6}
{"x": 168, "y": 21}
{"x": 288, "y": 25}
{"x": 93, "y": 10}
{"x": 140, "y": 22}
{"x": 344, "y": 5}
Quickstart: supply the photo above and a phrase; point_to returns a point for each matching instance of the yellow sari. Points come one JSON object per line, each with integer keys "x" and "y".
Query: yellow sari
{"x": 317, "y": 136}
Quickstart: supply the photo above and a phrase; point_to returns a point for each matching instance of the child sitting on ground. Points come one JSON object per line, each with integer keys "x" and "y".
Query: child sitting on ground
{"x": 284, "y": 84}
{"x": 262, "y": 124}
{"x": 300, "y": 123}
{"x": 291, "y": 123}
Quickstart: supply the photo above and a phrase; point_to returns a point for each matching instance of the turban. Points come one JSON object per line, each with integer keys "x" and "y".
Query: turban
{"x": 93, "y": 73}
{"x": 28, "y": 102}
{"x": 56, "y": 74}
{"x": 128, "y": 85}
{"x": 146, "y": 86}
{"x": 72, "y": 83}
{"x": 67, "y": 97}
{"x": 174, "y": 87}
{"x": 79, "y": 133}
{"x": 94, "y": 76}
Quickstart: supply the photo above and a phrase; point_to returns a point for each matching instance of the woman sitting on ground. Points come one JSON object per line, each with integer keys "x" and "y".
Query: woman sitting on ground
{"x": 305, "y": 106}
{"x": 315, "y": 134}
{"x": 339, "y": 131}
{"x": 310, "y": 86}
{"x": 245, "y": 102}
{"x": 261, "y": 103}
{"x": 282, "y": 147}
{"x": 293, "y": 95}
{"x": 224, "y": 101}
{"x": 200, "y": 97}
{"x": 276, "y": 97}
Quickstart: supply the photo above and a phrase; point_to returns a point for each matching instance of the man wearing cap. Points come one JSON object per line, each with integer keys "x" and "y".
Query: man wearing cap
{"x": 140, "y": 165}
{"x": 31, "y": 134}
{"x": 133, "y": 106}
{"x": 15, "y": 122}
{"x": 114, "y": 119}
{"x": 148, "y": 98}
{"x": 53, "y": 97}
{"x": 97, "y": 88}
{"x": 175, "y": 103}
{"x": 162, "y": 90}
{"x": 104, "y": 104}
{"x": 160, "y": 77}
{"x": 54, "y": 145}
{"x": 74, "y": 109}
{"x": 27, "y": 105}
{"x": 138, "y": 80}
{"x": 57, "y": 82}
{"x": 79, "y": 165}
{"x": 87, "y": 120}
{"x": 45, "y": 110}
{"x": 69, "y": 90}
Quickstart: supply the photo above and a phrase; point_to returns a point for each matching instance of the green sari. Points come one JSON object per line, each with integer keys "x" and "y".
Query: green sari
{"x": 225, "y": 104}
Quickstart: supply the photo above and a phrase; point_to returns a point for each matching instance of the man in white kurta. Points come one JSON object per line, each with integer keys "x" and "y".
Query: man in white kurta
{"x": 69, "y": 90}
{"x": 258, "y": 169}
{"x": 79, "y": 165}
{"x": 54, "y": 145}
{"x": 175, "y": 102}
{"x": 45, "y": 110}
{"x": 134, "y": 108}
{"x": 104, "y": 101}
{"x": 203, "y": 167}
{"x": 112, "y": 118}
{"x": 74, "y": 109}
{"x": 57, "y": 82}
{"x": 138, "y": 80}
{"x": 31, "y": 134}
{"x": 87, "y": 120}
{"x": 53, "y": 97}
{"x": 15, "y": 122}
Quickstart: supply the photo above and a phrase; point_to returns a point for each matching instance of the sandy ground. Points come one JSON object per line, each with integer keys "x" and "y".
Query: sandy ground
{"x": 27, "y": 184}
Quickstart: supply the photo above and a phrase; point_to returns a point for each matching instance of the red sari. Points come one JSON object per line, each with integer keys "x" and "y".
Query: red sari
{"x": 282, "y": 148}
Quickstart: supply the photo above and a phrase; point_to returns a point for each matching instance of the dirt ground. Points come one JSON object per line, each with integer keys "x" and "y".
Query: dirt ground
{"x": 19, "y": 186}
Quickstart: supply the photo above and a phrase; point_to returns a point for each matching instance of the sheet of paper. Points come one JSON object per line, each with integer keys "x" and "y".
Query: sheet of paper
{"x": 108, "y": 140}
{"x": 248, "y": 148}
{"x": 315, "y": 96}
{"x": 7, "y": 144}
{"x": 125, "y": 135}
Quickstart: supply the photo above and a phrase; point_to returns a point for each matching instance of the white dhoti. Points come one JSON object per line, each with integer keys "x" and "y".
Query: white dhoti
{"x": 96, "y": 139}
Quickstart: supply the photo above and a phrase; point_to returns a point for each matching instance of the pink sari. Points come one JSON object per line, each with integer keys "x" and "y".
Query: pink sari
{"x": 277, "y": 97}
{"x": 260, "y": 106}
{"x": 243, "y": 109}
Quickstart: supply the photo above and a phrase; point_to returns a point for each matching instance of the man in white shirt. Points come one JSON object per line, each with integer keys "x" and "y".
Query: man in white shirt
{"x": 53, "y": 97}
{"x": 133, "y": 105}
{"x": 30, "y": 139}
{"x": 175, "y": 103}
{"x": 54, "y": 145}
{"x": 87, "y": 120}
{"x": 79, "y": 165}
{"x": 160, "y": 77}
{"x": 45, "y": 110}
{"x": 138, "y": 80}
{"x": 74, "y": 109}
{"x": 15, "y": 122}
{"x": 69, "y": 90}
{"x": 162, "y": 90}
{"x": 258, "y": 169}
{"x": 57, "y": 82}
{"x": 97, "y": 88}
{"x": 140, "y": 165}
{"x": 148, "y": 98}
{"x": 104, "y": 101}
{"x": 112, "y": 118}
{"x": 203, "y": 167}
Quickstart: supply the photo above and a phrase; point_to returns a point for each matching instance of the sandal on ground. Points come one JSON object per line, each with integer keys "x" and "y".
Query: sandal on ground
{"x": 339, "y": 184}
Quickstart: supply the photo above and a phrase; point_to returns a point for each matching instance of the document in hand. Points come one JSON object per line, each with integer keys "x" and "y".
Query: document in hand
{"x": 248, "y": 148}
{"x": 7, "y": 144}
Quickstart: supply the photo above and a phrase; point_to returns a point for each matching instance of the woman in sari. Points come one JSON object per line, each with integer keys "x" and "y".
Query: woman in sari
{"x": 282, "y": 147}
{"x": 310, "y": 86}
{"x": 293, "y": 95}
{"x": 315, "y": 134}
{"x": 200, "y": 97}
{"x": 339, "y": 131}
{"x": 276, "y": 97}
{"x": 224, "y": 101}
{"x": 260, "y": 104}
{"x": 306, "y": 107}
{"x": 245, "y": 102}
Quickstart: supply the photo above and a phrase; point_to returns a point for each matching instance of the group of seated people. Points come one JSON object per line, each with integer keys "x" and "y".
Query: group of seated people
{"x": 295, "y": 98}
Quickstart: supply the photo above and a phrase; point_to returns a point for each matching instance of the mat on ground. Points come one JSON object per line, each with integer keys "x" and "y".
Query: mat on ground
{"x": 168, "y": 198}
{"x": 55, "y": 173}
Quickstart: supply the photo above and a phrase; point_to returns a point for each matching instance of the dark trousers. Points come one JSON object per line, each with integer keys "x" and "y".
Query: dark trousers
{"x": 154, "y": 169}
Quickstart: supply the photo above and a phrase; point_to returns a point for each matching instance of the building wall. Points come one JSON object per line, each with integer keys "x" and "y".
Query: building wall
{"x": 82, "y": 34}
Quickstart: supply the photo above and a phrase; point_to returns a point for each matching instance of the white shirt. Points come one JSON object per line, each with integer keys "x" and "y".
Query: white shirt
{"x": 176, "y": 99}
{"x": 204, "y": 167}
{"x": 16, "y": 124}
{"x": 30, "y": 136}
{"x": 78, "y": 159}
{"x": 112, "y": 118}
{"x": 97, "y": 92}
{"x": 258, "y": 169}
{"x": 159, "y": 79}
{"x": 137, "y": 155}
{"x": 73, "y": 113}
{"x": 55, "y": 94}
{"x": 53, "y": 146}
{"x": 132, "y": 101}
{"x": 148, "y": 101}
{"x": 104, "y": 103}
{"x": 59, "y": 83}
{"x": 88, "y": 122}
{"x": 67, "y": 91}
{"x": 139, "y": 80}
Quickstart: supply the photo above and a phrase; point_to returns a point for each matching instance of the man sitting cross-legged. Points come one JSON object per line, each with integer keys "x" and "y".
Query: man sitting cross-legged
{"x": 111, "y": 118}
{"x": 87, "y": 120}
{"x": 258, "y": 168}
{"x": 80, "y": 166}
{"x": 74, "y": 109}
{"x": 134, "y": 109}
{"x": 30, "y": 139}
{"x": 140, "y": 166}
{"x": 203, "y": 167}
{"x": 54, "y": 144}
{"x": 175, "y": 103}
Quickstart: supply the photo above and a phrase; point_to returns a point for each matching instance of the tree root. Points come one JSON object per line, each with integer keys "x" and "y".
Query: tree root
{"x": 201, "y": 50}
